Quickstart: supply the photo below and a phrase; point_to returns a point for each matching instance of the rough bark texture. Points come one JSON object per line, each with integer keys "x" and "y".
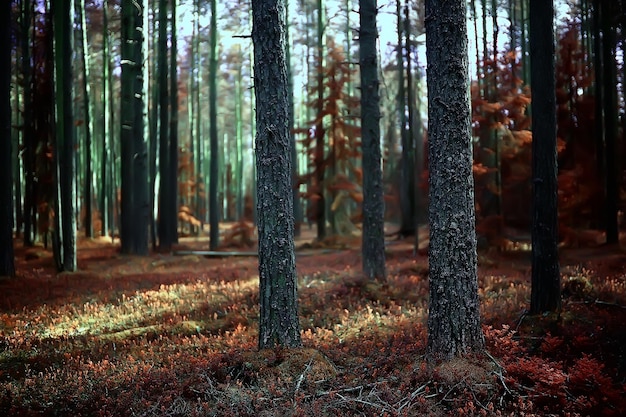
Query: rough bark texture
{"x": 546, "y": 285}
{"x": 454, "y": 317}
{"x": 135, "y": 200}
{"x": 7, "y": 260}
{"x": 277, "y": 267}
{"x": 373, "y": 249}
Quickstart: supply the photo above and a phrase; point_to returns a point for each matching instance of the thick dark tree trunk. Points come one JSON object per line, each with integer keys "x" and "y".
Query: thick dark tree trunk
{"x": 7, "y": 260}
{"x": 135, "y": 200}
{"x": 454, "y": 318}
{"x": 277, "y": 268}
{"x": 62, "y": 14}
{"x": 373, "y": 246}
{"x": 609, "y": 104}
{"x": 546, "y": 288}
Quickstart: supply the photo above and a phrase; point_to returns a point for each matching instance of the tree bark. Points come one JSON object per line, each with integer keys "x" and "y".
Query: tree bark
{"x": 373, "y": 242}
{"x": 214, "y": 212}
{"x": 454, "y": 316}
{"x": 62, "y": 13}
{"x": 7, "y": 259}
{"x": 277, "y": 268}
{"x": 546, "y": 281}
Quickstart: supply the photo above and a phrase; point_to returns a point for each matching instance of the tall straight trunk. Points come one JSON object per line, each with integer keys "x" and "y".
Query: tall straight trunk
{"x": 546, "y": 281}
{"x": 454, "y": 327}
{"x": 30, "y": 205}
{"x": 88, "y": 124}
{"x": 153, "y": 119}
{"x": 135, "y": 201}
{"x": 319, "y": 159}
{"x": 373, "y": 242}
{"x": 105, "y": 178}
{"x": 278, "y": 323}
{"x": 7, "y": 259}
{"x": 609, "y": 105}
{"x": 214, "y": 170}
{"x": 297, "y": 208}
{"x": 199, "y": 152}
{"x": 412, "y": 140}
{"x": 165, "y": 189}
{"x": 173, "y": 150}
{"x": 407, "y": 181}
{"x": 239, "y": 137}
{"x": 62, "y": 14}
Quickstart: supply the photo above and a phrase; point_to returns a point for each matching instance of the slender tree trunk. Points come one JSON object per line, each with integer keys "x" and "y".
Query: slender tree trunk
{"x": 454, "y": 315}
{"x": 546, "y": 282}
{"x": 373, "y": 243}
{"x": 214, "y": 216}
{"x": 165, "y": 189}
{"x": 173, "y": 150}
{"x": 105, "y": 178}
{"x": 7, "y": 259}
{"x": 297, "y": 208}
{"x": 319, "y": 159}
{"x": 278, "y": 323}
{"x": 29, "y": 133}
{"x": 407, "y": 193}
{"x": 88, "y": 123}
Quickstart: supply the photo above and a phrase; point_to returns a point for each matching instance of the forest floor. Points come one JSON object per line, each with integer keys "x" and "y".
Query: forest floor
{"x": 176, "y": 335}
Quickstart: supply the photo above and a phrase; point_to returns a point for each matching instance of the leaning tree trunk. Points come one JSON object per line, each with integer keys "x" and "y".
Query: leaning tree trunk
{"x": 7, "y": 260}
{"x": 373, "y": 242}
{"x": 277, "y": 267}
{"x": 454, "y": 315}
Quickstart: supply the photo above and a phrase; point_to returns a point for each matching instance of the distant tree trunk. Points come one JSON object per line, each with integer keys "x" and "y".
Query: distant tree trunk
{"x": 320, "y": 134}
{"x": 407, "y": 174}
{"x": 88, "y": 124}
{"x": 277, "y": 268}
{"x": 174, "y": 124}
{"x": 135, "y": 200}
{"x": 214, "y": 213}
{"x": 166, "y": 216}
{"x": 546, "y": 282}
{"x": 153, "y": 119}
{"x": 62, "y": 14}
{"x": 297, "y": 209}
{"x": 454, "y": 314}
{"x": 373, "y": 242}
{"x": 30, "y": 205}
{"x": 7, "y": 259}
{"x": 105, "y": 178}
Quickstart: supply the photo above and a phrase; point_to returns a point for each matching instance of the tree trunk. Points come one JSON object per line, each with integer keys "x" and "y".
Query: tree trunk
{"x": 546, "y": 283}
{"x": 88, "y": 124}
{"x": 373, "y": 243}
{"x": 30, "y": 205}
{"x": 320, "y": 134}
{"x": 277, "y": 268}
{"x": 214, "y": 213}
{"x": 166, "y": 216}
{"x": 135, "y": 201}
{"x": 454, "y": 315}
{"x": 609, "y": 104}
{"x": 62, "y": 14}
{"x": 173, "y": 168}
{"x": 7, "y": 259}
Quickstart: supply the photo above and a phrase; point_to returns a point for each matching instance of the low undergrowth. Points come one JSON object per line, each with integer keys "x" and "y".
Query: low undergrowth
{"x": 177, "y": 337}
